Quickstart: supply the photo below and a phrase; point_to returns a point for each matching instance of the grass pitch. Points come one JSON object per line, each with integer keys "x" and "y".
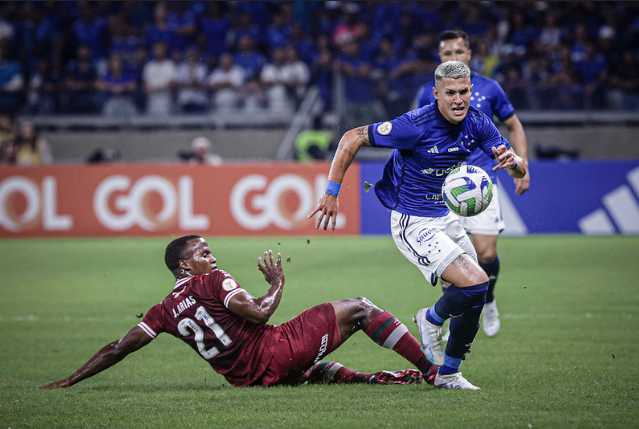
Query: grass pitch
{"x": 567, "y": 355}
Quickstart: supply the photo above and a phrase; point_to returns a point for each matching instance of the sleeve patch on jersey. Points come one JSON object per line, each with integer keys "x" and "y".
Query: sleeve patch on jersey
{"x": 384, "y": 128}
{"x": 229, "y": 285}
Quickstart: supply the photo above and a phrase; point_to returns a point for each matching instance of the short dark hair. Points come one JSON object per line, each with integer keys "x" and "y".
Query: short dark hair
{"x": 175, "y": 251}
{"x": 454, "y": 34}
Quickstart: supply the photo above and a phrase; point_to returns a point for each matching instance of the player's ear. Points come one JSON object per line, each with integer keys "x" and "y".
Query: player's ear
{"x": 185, "y": 265}
{"x": 435, "y": 93}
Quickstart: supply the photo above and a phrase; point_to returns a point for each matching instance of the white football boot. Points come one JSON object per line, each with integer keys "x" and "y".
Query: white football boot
{"x": 431, "y": 338}
{"x": 490, "y": 320}
{"x": 453, "y": 381}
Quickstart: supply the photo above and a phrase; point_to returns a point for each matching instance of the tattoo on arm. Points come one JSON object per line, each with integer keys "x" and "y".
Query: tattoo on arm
{"x": 362, "y": 135}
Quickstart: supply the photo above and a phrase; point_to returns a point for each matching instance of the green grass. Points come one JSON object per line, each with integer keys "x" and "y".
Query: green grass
{"x": 567, "y": 355}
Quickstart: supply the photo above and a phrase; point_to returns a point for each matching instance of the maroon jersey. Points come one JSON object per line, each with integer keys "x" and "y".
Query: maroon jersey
{"x": 197, "y": 313}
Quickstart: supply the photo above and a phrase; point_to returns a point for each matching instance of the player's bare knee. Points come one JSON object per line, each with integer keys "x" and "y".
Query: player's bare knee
{"x": 486, "y": 256}
{"x": 366, "y": 308}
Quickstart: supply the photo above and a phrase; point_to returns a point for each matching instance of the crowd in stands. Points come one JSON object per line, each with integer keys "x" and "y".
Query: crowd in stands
{"x": 121, "y": 58}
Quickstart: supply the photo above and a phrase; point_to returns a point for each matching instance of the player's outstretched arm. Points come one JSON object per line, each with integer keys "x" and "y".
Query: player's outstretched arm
{"x": 520, "y": 145}
{"x": 108, "y": 356}
{"x": 260, "y": 310}
{"x": 347, "y": 149}
{"x": 510, "y": 161}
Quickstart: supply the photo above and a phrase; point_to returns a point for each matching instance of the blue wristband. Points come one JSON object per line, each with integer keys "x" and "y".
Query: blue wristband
{"x": 514, "y": 166}
{"x": 333, "y": 188}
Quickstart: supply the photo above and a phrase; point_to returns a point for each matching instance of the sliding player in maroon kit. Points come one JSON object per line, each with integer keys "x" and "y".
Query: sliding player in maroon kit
{"x": 227, "y": 326}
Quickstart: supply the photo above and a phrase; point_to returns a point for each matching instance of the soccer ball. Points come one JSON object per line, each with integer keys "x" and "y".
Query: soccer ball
{"x": 467, "y": 190}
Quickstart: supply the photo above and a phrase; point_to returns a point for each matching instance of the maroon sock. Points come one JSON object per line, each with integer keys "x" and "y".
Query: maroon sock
{"x": 389, "y": 332}
{"x": 333, "y": 372}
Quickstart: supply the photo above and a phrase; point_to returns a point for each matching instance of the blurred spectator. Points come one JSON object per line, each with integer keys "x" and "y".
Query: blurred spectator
{"x": 551, "y": 35}
{"x": 183, "y": 23}
{"x": 396, "y": 79}
{"x": 322, "y": 71}
{"x": 303, "y": 43}
{"x": 90, "y": 30}
{"x": 118, "y": 87}
{"x": 359, "y": 87}
{"x": 157, "y": 77}
{"x": 226, "y": 82}
{"x": 31, "y": 148}
{"x": 190, "y": 81}
{"x": 37, "y": 35}
{"x": 350, "y": 28}
{"x": 483, "y": 60}
{"x": 296, "y": 75}
{"x": 7, "y": 128}
{"x": 201, "y": 153}
{"x": 7, "y": 153}
{"x": 242, "y": 28}
{"x": 624, "y": 81}
{"x": 567, "y": 93}
{"x": 249, "y": 58}
{"x": 11, "y": 80}
{"x": 80, "y": 78}
{"x": 278, "y": 32}
{"x": 593, "y": 71}
{"x": 124, "y": 41}
{"x": 43, "y": 89}
{"x": 216, "y": 27}
{"x": 160, "y": 31}
{"x": 273, "y": 82}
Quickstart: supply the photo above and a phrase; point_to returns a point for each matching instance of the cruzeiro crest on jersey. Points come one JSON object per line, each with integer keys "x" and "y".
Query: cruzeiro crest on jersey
{"x": 384, "y": 128}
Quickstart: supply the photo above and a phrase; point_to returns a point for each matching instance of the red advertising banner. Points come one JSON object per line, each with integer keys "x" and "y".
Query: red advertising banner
{"x": 171, "y": 199}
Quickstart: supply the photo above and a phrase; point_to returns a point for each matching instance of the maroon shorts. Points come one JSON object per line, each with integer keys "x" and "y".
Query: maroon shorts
{"x": 304, "y": 341}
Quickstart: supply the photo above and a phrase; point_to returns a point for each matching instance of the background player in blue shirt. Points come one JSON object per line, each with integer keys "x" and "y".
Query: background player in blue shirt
{"x": 429, "y": 142}
{"x": 489, "y": 97}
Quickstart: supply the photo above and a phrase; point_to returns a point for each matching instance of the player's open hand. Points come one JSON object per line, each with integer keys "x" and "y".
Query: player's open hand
{"x": 504, "y": 157}
{"x": 272, "y": 269}
{"x": 327, "y": 208}
{"x": 522, "y": 185}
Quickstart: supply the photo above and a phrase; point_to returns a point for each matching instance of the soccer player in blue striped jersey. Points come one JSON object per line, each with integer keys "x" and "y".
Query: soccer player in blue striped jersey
{"x": 428, "y": 143}
{"x": 489, "y": 97}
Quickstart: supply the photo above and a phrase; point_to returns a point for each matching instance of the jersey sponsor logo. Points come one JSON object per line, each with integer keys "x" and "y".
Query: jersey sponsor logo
{"x": 229, "y": 284}
{"x": 438, "y": 172}
{"x": 322, "y": 349}
{"x": 425, "y": 235}
{"x": 433, "y": 150}
{"x": 433, "y": 197}
{"x": 453, "y": 149}
{"x": 384, "y": 128}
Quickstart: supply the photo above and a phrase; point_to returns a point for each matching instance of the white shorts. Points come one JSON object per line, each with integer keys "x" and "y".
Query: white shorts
{"x": 431, "y": 243}
{"x": 488, "y": 222}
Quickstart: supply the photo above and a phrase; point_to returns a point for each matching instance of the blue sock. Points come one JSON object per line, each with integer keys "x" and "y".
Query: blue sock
{"x": 492, "y": 269}
{"x": 451, "y": 365}
{"x": 432, "y": 317}
{"x": 462, "y": 332}
{"x": 456, "y": 300}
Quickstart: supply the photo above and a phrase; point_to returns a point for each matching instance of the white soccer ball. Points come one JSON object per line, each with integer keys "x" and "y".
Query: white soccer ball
{"x": 467, "y": 190}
